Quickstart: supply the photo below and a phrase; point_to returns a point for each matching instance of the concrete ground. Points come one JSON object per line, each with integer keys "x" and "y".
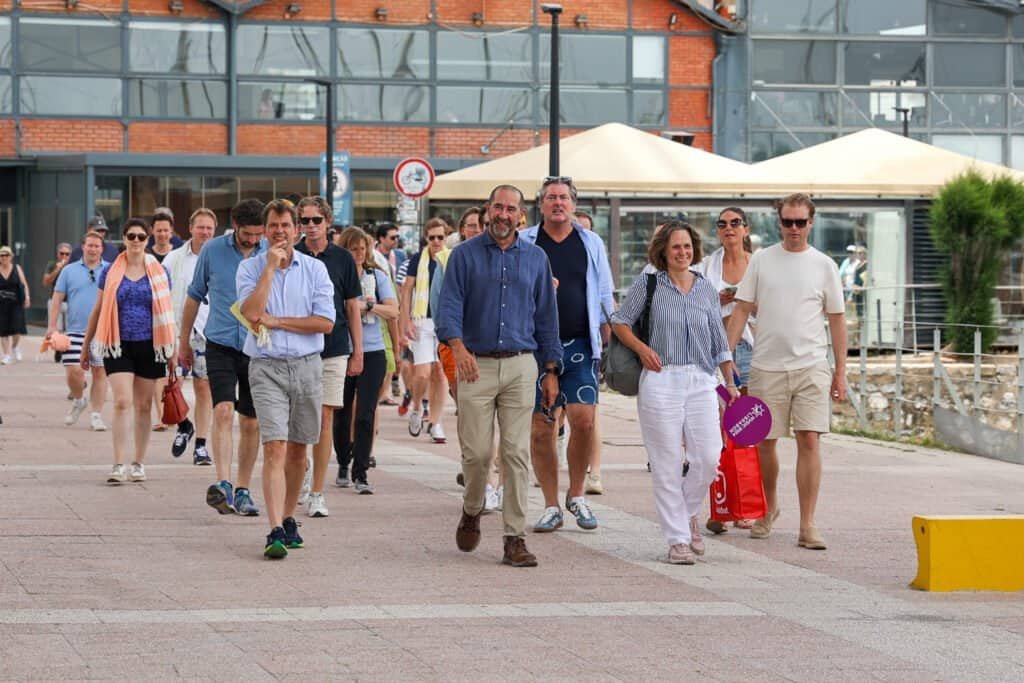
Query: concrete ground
{"x": 144, "y": 581}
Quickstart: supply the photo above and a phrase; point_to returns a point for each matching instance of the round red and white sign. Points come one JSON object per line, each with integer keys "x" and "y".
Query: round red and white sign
{"x": 414, "y": 177}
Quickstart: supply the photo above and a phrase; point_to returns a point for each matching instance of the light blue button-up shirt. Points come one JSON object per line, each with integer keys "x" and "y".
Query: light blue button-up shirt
{"x": 79, "y": 285}
{"x": 214, "y": 283}
{"x": 302, "y": 289}
{"x": 599, "y": 280}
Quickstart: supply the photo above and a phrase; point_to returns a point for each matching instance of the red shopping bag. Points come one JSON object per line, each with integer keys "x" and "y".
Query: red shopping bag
{"x": 737, "y": 492}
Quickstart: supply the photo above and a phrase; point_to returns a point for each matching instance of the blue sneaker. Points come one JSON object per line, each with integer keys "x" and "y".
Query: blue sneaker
{"x": 549, "y": 521}
{"x": 275, "y": 548}
{"x": 585, "y": 519}
{"x": 291, "y": 533}
{"x": 221, "y": 497}
{"x": 244, "y": 505}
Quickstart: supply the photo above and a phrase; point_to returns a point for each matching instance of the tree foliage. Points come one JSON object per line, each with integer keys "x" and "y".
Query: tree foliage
{"x": 976, "y": 222}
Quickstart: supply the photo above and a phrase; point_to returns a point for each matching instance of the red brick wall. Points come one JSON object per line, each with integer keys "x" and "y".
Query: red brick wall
{"x": 287, "y": 140}
{"x": 312, "y": 10}
{"x": 689, "y": 60}
{"x": 399, "y": 11}
{"x": 7, "y": 139}
{"x": 193, "y": 138}
{"x": 496, "y": 13}
{"x": 384, "y": 142}
{"x": 158, "y": 8}
{"x": 653, "y": 15}
{"x": 71, "y": 135}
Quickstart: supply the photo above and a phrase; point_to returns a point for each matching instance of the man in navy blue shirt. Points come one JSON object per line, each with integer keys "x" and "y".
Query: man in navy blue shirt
{"x": 497, "y": 312}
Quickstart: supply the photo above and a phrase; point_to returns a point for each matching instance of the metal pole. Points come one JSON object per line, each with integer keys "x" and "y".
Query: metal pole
{"x": 904, "y": 113}
{"x": 878, "y": 323}
{"x": 1020, "y": 391}
{"x": 913, "y": 318}
{"x": 936, "y": 366}
{"x": 898, "y": 414}
{"x": 977, "y": 370}
{"x": 232, "y": 38}
{"x": 863, "y": 388}
{"x": 331, "y": 141}
{"x": 553, "y": 134}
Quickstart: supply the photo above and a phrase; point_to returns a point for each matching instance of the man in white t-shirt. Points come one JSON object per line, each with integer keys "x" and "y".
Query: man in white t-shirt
{"x": 794, "y": 287}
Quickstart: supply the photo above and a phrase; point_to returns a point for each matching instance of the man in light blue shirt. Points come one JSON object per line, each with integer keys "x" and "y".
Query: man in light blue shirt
{"x": 292, "y": 296}
{"x": 78, "y": 285}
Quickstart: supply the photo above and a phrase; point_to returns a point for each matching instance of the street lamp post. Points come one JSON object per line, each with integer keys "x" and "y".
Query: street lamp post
{"x": 331, "y": 144}
{"x": 555, "y": 11}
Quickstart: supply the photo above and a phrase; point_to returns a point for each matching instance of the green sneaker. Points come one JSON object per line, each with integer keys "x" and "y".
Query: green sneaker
{"x": 291, "y": 533}
{"x": 275, "y": 548}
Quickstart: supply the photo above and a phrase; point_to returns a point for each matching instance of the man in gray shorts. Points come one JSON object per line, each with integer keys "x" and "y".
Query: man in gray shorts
{"x": 291, "y": 295}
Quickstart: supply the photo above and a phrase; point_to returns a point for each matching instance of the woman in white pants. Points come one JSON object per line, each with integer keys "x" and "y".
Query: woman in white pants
{"x": 677, "y": 402}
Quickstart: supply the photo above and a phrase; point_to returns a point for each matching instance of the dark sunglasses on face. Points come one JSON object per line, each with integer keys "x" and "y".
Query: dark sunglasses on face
{"x": 315, "y": 220}
{"x": 735, "y": 223}
{"x": 557, "y": 179}
{"x": 136, "y": 237}
{"x": 436, "y": 238}
{"x": 798, "y": 222}
{"x": 64, "y": 253}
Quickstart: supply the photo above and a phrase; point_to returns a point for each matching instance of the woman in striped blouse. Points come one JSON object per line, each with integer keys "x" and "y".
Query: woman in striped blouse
{"x": 677, "y": 400}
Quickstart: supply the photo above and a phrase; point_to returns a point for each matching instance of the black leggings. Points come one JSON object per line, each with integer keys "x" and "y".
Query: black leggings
{"x": 362, "y": 391}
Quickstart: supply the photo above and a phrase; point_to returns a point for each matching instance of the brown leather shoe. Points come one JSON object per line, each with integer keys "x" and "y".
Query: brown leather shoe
{"x": 467, "y": 534}
{"x": 516, "y": 553}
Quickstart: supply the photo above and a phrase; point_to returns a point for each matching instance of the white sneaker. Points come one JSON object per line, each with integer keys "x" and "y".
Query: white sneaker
{"x": 415, "y": 423}
{"x": 490, "y": 499}
{"x": 118, "y": 475}
{"x": 317, "y": 507}
{"x": 499, "y": 498}
{"x": 96, "y": 423}
{"x": 77, "y": 407}
{"x": 437, "y": 434}
{"x": 17, "y": 355}
{"x": 137, "y": 472}
{"x": 592, "y": 484}
{"x": 6, "y": 360}
{"x": 307, "y": 481}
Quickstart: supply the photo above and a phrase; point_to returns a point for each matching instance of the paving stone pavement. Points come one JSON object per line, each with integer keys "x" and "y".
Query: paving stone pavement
{"x": 144, "y": 581}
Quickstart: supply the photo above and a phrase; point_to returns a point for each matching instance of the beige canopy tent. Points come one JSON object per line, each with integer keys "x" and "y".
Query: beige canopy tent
{"x": 868, "y": 163}
{"x": 613, "y": 158}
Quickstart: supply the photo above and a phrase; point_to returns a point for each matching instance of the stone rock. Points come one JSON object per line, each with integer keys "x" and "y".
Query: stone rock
{"x": 877, "y": 402}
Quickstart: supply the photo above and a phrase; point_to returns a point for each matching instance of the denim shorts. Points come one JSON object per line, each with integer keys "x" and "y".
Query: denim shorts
{"x": 577, "y": 380}
{"x": 741, "y": 357}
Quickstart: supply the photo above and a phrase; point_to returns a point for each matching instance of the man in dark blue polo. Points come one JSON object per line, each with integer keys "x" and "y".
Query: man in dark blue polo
{"x": 498, "y": 311}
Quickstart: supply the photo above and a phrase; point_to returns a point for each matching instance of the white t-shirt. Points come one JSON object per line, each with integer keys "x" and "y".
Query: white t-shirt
{"x": 793, "y": 292}
{"x": 181, "y": 264}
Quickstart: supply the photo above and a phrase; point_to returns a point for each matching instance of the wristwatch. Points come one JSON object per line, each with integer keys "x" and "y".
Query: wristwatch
{"x": 369, "y": 306}
{"x": 550, "y": 371}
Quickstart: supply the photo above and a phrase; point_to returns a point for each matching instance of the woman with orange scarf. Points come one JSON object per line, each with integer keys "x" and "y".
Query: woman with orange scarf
{"x": 133, "y": 325}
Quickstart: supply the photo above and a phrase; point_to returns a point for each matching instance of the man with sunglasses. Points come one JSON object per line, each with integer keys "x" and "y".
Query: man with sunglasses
{"x": 579, "y": 262}
{"x": 342, "y": 354}
{"x": 387, "y": 254}
{"x": 794, "y": 288}
{"x": 77, "y": 286}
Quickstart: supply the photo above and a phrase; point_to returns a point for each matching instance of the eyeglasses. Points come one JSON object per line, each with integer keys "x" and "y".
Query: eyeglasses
{"x": 798, "y": 222}
{"x": 735, "y": 223}
{"x": 136, "y": 237}
{"x": 391, "y": 237}
{"x": 436, "y": 238}
{"x": 315, "y": 220}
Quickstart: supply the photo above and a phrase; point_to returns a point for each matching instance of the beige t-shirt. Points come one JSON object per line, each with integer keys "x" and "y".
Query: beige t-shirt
{"x": 793, "y": 292}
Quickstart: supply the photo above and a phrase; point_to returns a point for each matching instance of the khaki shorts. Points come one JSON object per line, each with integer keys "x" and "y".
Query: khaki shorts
{"x": 797, "y": 397}
{"x": 287, "y": 394}
{"x": 335, "y": 370}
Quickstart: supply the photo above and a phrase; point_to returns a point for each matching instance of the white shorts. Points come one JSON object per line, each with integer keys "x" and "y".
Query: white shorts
{"x": 424, "y": 347}
{"x": 335, "y": 370}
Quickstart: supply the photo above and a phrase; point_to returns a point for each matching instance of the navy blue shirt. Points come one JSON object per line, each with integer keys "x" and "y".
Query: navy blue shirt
{"x": 345, "y": 278}
{"x": 500, "y": 300}
{"x": 568, "y": 260}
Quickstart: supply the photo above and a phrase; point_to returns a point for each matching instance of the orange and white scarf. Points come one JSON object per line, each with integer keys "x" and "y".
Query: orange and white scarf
{"x": 108, "y": 328}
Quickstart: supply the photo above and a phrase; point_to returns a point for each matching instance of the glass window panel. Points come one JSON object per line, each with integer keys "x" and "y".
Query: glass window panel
{"x": 884, "y": 17}
{"x": 219, "y": 195}
{"x": 383, "y": 53}
{"x": 776, "y": 108}
{"x": 1017, "y": 152}
{"x": 373, "y": 199}
{"x": 147, "y": 193}
{"x": 484, "y": 105}
{"x": 291, "y": 185}
{"x": 586, "y": 59}
{"x": 69, "y": 45}
{"x": 256, "y": 187}
{"x": 484, "y": 56}
{"x": 767, "y": 145}
{"x": 1018, "y": 65}
{"x": 6, "y": 96}
{"x": 184, "y": 193}
{"x": 878, "y": 109}
{"x": 648, "y": 59}
{"x": 112, "y": 200}
{"x": 648, "y": 107}
{"x": 794, "y": 61}
{"x": 983, "y": 147}
{"x": 885, "y": 64}
{"x": 772, "y": 16}
{"x": 957, "y": 18}
{"x": 587, "y": 107}
{"x": 974, "y": 111}
{"x": 1017, "y": 25}
{"x": 66, "y": 95}
{"x": 5, "y": 42}
{"x": 177, "y": 99}
{"x": 281, "y": 100}
{"x": 164, "y": 47}
{"x": 969, "y": 64}
{"x": 283, "y": 50}
{"x": 383, "y": 102}
{"x": 1016, "y": 110}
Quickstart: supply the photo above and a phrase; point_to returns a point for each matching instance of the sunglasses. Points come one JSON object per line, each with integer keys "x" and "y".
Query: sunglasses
{"x": 136, "y": 237}
{"x": 559, "y": 179}
{"x": 436, "y": 238}
{"x": 798, "y": 222}
{"x": 64, "y": 253}
{"x": 735, "y": 222}
{"x": 315, "y": 220}
{"x": 92, "y": 276}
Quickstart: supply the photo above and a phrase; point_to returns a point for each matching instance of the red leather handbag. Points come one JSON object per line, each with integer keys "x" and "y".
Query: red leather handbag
{"x": 737, "y": 492}
{"x": 175, "y": 407}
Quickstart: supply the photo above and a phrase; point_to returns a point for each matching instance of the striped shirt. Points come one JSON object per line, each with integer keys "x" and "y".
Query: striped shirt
{"x": 685, "y": 329}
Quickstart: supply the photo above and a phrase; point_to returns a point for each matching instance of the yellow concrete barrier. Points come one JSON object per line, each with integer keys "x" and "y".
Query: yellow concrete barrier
{"x": 958, "y": 553}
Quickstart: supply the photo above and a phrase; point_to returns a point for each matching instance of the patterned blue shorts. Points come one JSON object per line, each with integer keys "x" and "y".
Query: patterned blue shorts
{"x": 577, "y": 381}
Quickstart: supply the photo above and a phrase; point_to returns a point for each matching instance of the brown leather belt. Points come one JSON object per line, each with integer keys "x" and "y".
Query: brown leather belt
{"x": 500, "y": 354}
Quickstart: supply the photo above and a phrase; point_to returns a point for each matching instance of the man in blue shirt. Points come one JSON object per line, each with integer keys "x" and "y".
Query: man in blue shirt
{"x": 497, "y": 312}
{"x": 227, "y": 366}
{"x": 580, "y": 265}
{"x": 292, "y": 296}
{"x": 77, "y": 284}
